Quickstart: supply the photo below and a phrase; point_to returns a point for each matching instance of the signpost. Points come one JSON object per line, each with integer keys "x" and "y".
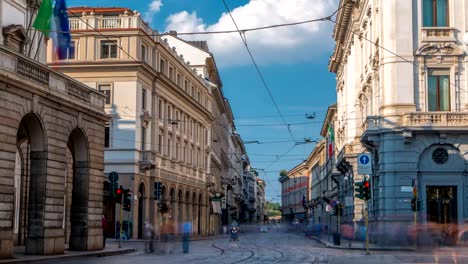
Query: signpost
{"x": 364, "y": 164}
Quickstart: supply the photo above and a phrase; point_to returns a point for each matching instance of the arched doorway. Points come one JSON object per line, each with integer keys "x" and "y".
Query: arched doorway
{"x": 194, "y": 214}
{"x": 141, "y": 209}
{"x": 199, "y": 222}
{"x": 172, "y": 199}
{"x": 78, "y": 146}
{"x": 188, "y": 208}
{"x": 180, "y": 217}
{"x": 30, "y": 180}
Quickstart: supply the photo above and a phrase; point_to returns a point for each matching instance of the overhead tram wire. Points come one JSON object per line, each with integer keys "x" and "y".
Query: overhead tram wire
{"x": 244, "y": 41}
{"x": 216, "y": 32}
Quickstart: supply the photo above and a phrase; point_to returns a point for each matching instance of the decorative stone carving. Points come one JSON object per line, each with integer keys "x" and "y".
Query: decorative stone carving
{"x": 444, "y": 49}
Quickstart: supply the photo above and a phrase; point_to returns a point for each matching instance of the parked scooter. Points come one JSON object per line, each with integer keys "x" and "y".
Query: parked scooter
{"x": 234, "y": 234}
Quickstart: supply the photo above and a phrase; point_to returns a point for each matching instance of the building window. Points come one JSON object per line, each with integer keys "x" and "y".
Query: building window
{"x": 107, "y": 136}
{"x": 107, "y": 91}
{"x": 186, "y": 86}
{"x": 179, "y": 80}
{"x": 198, "y": 97}
{"x": 171, "y": 73}
{"x": 438, "y": 90}
{"x": 160, "y": 142}
{"x": 177, "y": 150}
{"x": 71, "y": 51}
{"x": 169, "y": 113}
{"x": 162, "y": 66}
{"x": 160, "y": 110}
{"x": 435, "y": 13}
{"x": 143, "y": 99}
{"x": 108, "y": 49}
{"x": 143, "y": 138}
{"x": 143, "y": 52}
{"x": 169, "y": 146}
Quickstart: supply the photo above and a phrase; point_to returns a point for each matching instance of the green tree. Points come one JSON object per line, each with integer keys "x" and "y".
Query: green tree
{"x": 283, "y": 173}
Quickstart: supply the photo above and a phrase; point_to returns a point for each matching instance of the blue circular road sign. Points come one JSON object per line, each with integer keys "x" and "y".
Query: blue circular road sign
{"x": 364, "y": 159}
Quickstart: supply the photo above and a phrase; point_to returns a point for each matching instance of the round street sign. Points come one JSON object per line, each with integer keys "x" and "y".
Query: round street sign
{"x": 113, "y": 177}
{"x": 364, "y": 159}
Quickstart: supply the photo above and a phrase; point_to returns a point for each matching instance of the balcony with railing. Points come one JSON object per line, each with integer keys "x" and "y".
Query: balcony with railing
{"x": 98, "y": 22}
{"x": 147, "y": 160}
{"x": 438, "y": 34}
{"x": 26, "y": 72}
{"x": 435, "y": 120}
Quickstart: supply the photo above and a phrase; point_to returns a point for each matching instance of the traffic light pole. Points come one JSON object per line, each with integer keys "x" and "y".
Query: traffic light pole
{"x": 121, "y": 225}
{"x": 366, "y": 216}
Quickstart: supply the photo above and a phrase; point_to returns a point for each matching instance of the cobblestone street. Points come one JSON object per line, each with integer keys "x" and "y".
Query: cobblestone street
{"x": 276, "y": 246}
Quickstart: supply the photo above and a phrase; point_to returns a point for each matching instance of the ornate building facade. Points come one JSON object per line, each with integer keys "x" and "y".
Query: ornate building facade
{"x": 401, "y": 91}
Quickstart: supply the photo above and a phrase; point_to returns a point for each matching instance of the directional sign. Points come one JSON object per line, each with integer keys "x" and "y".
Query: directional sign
{"x": 113, "y": 177}
{"x": 364, "y": 163}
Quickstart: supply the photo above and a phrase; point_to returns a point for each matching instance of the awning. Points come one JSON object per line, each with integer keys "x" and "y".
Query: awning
{"x": 216, "y": 205}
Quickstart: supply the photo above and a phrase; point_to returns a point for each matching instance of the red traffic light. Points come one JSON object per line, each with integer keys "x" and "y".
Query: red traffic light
{"x": 118, "y": 191}
{"x": 366, "y": 184}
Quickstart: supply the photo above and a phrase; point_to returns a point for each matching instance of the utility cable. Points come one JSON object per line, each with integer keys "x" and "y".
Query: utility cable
{"x": 244, "y": 41}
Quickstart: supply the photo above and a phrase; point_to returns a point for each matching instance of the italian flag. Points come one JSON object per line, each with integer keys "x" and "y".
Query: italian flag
{"x": 331, "y": 140}
{"x": 52, "y": 21}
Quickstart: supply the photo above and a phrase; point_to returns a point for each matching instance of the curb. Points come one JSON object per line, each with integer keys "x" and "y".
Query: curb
{"x": 176, "y": 239}
{"x": 68, "y": 256}
{"x": 328, "y": 245}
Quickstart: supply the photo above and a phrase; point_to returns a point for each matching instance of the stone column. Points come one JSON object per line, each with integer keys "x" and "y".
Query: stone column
{"x": 79, "y": 211}
{"x": 7, "y": 166}
{"x": 44, "y": 237}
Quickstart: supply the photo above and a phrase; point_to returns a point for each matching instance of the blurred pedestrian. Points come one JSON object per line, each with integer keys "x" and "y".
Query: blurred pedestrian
{"x": 186, "y": 229}
{"x": 171, "y": 234}
{"x": 104, "y": 230}
{"x": 148, "y": 235}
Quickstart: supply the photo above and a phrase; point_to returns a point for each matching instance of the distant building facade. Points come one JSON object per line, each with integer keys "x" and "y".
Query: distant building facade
{"x": 295, "y": 192}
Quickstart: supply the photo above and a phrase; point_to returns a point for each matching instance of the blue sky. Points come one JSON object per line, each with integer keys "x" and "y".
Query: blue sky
{"x": 293, "y": 61}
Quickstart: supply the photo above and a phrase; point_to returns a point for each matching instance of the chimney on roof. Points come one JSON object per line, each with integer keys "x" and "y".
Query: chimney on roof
{"x": 173, "y": 33}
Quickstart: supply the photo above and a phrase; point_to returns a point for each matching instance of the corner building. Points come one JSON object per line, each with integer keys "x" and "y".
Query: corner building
{"x": 161, "y": 116}
{"x": 401, "y": 89}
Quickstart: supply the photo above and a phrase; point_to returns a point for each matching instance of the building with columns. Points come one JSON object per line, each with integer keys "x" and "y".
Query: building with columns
{"x": 161, "y": 109}
{"x": 294, "y": 193}
{"x": 51, "y": 146}
{"x": 401, "y": 71}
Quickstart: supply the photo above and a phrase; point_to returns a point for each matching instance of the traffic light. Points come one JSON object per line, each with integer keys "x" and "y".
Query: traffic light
{"x": 127, "y": 200}
{"x": 367, "y": 190}
{"x": 419, "y": 206}
{"x": 118, "y": 194}
{"x": 413, "y": 204}
{"x": 359, "y": 189}
{"x": 157, "y": 190}
{"x": 163, "y": 208}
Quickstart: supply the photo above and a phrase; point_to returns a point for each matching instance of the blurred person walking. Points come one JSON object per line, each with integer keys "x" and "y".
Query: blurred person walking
{"x": 104, "y": 230}
{"x": 148, "y": 235}
{"x": 187, "y": 229}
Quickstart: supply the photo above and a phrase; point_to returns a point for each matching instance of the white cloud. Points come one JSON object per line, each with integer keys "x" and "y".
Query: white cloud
{"x": 279, "y": 45}
{"x": 153, "y": 8}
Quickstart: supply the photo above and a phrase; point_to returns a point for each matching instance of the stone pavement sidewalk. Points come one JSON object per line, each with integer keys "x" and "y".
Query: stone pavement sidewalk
{"x": 110, "y": 250}
{"x": 327, "y": 240}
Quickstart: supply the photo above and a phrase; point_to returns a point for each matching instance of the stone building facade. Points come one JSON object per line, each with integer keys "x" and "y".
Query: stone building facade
{"x": 51, "y": 147}
{"x": 161, "y": 93}
{"x": 295, "y": 192}
{"x": 401, "y": 91}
